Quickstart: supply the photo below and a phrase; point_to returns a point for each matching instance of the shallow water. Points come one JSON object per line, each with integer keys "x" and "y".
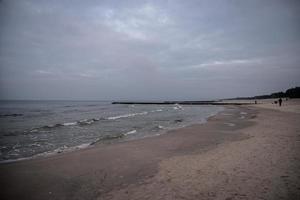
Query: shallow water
{"x": 29, "y": 128}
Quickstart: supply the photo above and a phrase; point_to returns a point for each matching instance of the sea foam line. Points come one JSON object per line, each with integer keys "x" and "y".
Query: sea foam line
{"x": 127, "y": 115}
{"x": 130, "y": 132}
{"x": 80, "y": 122}
{"x": 87, "y": 121}
{"x": 62, "y": 149}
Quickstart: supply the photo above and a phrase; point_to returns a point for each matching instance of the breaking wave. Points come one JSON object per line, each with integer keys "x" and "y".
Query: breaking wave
{"x": 127, "y": 115}
{"x": 76, "y": 123}
{"x": 177, "y": 107}
{"x": 130, "y": 132}
{"x": 11, "y": 115}
{"x": 87, "y": 121}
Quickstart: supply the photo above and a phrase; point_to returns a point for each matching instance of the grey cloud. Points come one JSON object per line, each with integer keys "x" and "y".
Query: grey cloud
{"x": 147, "y": 49}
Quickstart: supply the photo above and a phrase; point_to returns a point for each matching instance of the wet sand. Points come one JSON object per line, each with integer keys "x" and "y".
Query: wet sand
{"x": 242, "y": 153}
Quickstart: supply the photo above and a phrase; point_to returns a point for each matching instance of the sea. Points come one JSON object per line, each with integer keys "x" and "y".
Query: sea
{"x": 31, "y": 129}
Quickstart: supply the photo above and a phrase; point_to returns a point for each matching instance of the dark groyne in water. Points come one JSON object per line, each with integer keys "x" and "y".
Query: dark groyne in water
{"x": 180, "y": 103}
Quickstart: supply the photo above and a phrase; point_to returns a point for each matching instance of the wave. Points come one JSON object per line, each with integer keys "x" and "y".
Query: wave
{"x": 82, "y": 122}
{"x": 127, "y": 115}
{"x": 92, "y": 105}
{"x": 76, "y": 123}
{"x": 11, "y": 115}
{"x": 69, "y": 124}
{"x": 130, "y": 132}
{"x": 62, "y": 149}
{"x": 160, "y": 127}
{"x": 158, "y": 110}
{"x": 88, "y": 121}
{"x": 108, "y": 137}
{"x": 10, "y": 133}
{"x": 177, "y": 107}
{"x": 178, "y": 120}
{"x": 113, "y": 137}
{"x": 49, "y": 126}
{"x": 65, "y": 148}
{"x": 85, "y": 122}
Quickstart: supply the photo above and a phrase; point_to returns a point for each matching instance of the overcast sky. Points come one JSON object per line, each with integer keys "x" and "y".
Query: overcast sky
{"x": 147, "y": 50}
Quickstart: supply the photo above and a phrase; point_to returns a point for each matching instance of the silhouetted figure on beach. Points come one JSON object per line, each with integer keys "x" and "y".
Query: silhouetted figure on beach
{"x": 280, "y": 101}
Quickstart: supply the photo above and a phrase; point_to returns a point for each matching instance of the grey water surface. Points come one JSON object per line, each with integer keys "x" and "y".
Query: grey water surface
{"x": 30, "y": 128}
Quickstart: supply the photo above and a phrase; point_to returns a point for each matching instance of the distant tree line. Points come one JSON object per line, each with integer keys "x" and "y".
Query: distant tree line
{"x": 293, "y": 92}
{"x": 290, "y": 93}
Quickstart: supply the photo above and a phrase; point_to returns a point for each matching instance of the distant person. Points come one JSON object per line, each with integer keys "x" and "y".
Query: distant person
{"x": 255, "y": 102}
{"x": 280, "y": 101}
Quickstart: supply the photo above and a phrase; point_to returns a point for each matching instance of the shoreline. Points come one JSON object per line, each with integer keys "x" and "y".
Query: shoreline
{"x": 119, "y": 138}
{"x": 216, "y": 103}
{"x": 133, "y": 169}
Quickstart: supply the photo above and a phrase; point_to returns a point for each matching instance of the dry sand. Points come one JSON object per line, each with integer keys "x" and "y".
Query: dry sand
{"x": 242, "y": 153}
{"x": 288, "y": 105}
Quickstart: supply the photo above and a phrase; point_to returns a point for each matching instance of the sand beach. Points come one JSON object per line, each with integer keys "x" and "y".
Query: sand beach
{"x": 244, "y": 152}
{"x": 149, "y": 100}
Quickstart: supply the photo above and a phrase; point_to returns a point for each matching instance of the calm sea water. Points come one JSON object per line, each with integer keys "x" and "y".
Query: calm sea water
{"x": 31, "y": 128}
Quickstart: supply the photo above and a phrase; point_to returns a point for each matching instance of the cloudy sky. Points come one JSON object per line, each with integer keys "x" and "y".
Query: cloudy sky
{"x": 147, "y": 50}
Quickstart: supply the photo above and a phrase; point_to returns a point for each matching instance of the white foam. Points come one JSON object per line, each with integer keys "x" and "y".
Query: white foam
{"x": 127, "y": 115}
{"x": 14, "y": 160}
{"x": 178, "y": 107}
{"x": 48, "y": 126}
{"x": 130, "y": 132}
{"x": 60, "y": 149}
{"x": 82, "y": 146}
{"x": 158, "y": 110}
{"x": 13, "y": 154}
{"x": 3, "y": 147}
{"x": 34, "y": 145}
{"x": 120, "y": 116}
{"x": 160, "y": 127}
{"x": 70, "y": 124}
{"x": 243, "y": 113}
{"x": 87, "y": 121}
{"x": 49, "y": 153}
